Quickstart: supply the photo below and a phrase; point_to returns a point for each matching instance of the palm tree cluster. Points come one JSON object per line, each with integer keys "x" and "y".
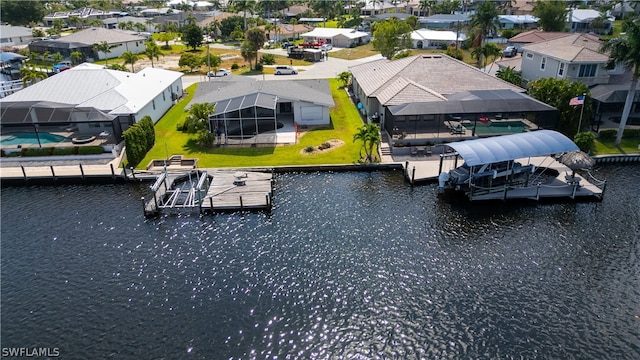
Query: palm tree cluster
{"x": 369, "y": 134}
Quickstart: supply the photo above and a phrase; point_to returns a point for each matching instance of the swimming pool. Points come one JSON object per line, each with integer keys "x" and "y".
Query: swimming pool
{"x": 31, "y": 138}
{"x": 500, "y": 127}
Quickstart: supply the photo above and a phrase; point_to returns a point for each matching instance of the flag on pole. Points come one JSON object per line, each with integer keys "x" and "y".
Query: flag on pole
{"x": 578, "y": 100}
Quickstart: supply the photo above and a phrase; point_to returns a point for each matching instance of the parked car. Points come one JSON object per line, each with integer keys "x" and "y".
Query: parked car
{"x": 510, "y": 51}
{"x": 219, "y": 73}
{"x": 326, "y": 47}
{"x": 285, "y": 70}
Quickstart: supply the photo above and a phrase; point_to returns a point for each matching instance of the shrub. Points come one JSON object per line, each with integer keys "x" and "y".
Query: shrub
{"x": 235, "y": 66}
{"x": 36, "y": 151}
{"x": 259, "y": 67}
{"x": 90, "y": 150}
{"x": 585, "y": 140}
{"x": 605, "y": 135}
{"x": 402, "y": 54}
{"x": 64, "y": 151}
{"x": 309, "y": 149}
{"x": 631, "y": 133}
{"x": 324, "y": 146}
{"x": 268, "y": 59}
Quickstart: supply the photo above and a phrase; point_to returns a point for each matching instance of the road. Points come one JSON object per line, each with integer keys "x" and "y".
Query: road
{"x": 320, "y": 70}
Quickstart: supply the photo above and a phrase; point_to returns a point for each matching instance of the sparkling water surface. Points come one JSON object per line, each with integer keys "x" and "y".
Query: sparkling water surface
{"x": 347, "y": 265}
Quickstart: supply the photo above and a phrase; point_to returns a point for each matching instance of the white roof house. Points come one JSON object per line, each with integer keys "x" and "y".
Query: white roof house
{"x": 338, "y": 37}
{"x": 126, "y": 97}
{"x": 424, "y": 38}
{"x": 580, "y": 19}
{"x": 14, "y": 35}
{"x": 518, "y": 21}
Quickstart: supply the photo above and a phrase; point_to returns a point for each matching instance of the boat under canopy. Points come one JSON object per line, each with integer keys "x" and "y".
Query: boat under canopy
{"x": 509, "y": 147}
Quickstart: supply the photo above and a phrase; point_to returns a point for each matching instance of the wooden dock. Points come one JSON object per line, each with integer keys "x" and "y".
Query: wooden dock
{"x": 239, "y": 190}
{"x": 215, "y": 191}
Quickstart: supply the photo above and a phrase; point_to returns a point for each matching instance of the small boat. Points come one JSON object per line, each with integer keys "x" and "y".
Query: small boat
{"x": 517, "y": 166}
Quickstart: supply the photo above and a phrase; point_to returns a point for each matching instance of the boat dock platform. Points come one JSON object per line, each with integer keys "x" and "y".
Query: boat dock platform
{"x": 563, "y": 185}
{"x": 214, "y": 191}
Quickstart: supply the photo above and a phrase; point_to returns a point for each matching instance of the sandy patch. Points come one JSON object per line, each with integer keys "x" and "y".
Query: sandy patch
{"x": 335, "y": 143}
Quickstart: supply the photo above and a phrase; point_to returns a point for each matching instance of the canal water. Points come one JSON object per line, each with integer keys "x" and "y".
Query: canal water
{"x": 347, "y": 265}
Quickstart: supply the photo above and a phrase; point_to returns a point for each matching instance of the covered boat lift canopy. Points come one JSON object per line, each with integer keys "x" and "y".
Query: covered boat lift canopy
{"x": 509, "y": 147}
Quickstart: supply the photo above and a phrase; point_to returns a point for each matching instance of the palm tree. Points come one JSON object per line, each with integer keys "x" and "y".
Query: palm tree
{"x": 76, "y": 57}
{"x": 130, "y": 58}
{"x": 626, "y": 50}
{"x": 509, "y": 75}
{"x": 105, "y": 48}
{"x": 426, "y": 6}
{"x": 152, "y": 50}
{"x": 369, "y": 134}
{"x": 244, "y": 6}
{"x": 31, "y": 76}
{"x": 485, "y": 21}
{"x": 490, "y": 50}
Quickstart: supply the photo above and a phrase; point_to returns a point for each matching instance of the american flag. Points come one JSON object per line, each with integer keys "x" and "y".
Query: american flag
{"x": 578, "y": 100}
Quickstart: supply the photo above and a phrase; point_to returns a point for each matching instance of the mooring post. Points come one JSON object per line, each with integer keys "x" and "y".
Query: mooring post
{"x": 24, "y": 173}
{"x": 144, "y": 206}
{"x": 267, "y": 198}
{"x": 413, "y": 175}
{"x": 241, "y": 206}
{"x": 81, "y": 171}
{"x": 211, "y": 203}
{"x": 124, "y": 173}
{"x": 133, "y": 174}
{"x": 53, "y": 173}
{"x": 406, "y": 169}
{"x": 113, "y": 173}
{"x": 440, "y": 165}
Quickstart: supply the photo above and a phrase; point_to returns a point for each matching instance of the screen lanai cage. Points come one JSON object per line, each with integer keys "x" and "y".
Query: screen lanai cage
{"x": 246, "y": 120}
{"x": 59, "y": 117}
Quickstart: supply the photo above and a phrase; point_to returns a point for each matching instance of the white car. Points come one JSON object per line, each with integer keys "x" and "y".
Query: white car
{"x": 219, "y": 73}
{"x": 326, "y": 47}
{"x": 285, "y": 70}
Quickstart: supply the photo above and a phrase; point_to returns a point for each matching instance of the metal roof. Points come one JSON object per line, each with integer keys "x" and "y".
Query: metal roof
{"x": 474, "y": 102}
{"x": 510, "y": 147}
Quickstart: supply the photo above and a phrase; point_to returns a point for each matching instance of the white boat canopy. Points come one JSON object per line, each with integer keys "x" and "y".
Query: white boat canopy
{"x": 510, "y": 147}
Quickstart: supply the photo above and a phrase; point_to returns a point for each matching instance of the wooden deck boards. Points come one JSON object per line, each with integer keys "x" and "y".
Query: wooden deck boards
{"x": 229, "y": 190}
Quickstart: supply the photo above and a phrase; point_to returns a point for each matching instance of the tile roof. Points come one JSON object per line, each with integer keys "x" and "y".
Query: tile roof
{"x": 402, "y": 91}
{"x": 535, "y": 36}
{"x": 571, "y": 47}
{"x": 312, "y": 91}
{"x": 440, "y": 73}
{"x": 331, "y": 32}
{"x": 14, "y": 31}
{"x": 96, "y": 35}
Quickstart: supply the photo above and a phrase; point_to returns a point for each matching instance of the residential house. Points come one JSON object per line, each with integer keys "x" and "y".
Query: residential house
{"x": 434, "y": 39}
{"x": 84, "y": 40}
{"x": 376, "y": 7}
{"x": 518, "y": 22}
{"x": 445, "y": 21}
{"x": 589, "y": 20}
{"x": 85, "y": 14}
{"x": 114, "y": 23}
{"x": 574, "y": 57}
{"x": 90, "y": 100}
{"x": 344, "y": 38}
{"x": 522, "y": 7}
{"x": 284, "y": 32}
{"x": 241, "y": 104}
{"x": 12, "y": 36}
{"x": 424, "y": 93}
{"x": 532, "y": 36}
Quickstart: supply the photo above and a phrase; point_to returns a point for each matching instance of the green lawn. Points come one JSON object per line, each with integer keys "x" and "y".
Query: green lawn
{"x": 628, "y": 146}
{"x": 345, "y": 121}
